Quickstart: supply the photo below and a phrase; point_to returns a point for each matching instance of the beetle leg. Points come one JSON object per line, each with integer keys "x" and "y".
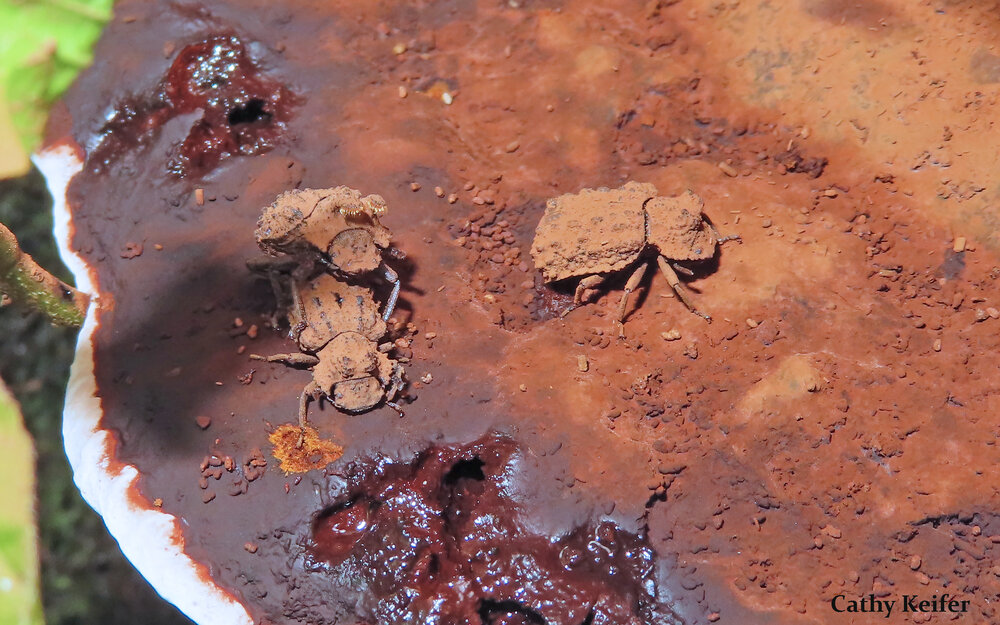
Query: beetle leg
{"x": 310, "y": 392}
{"x": 297, "y": 318}
{"x": 586, "y": 284}
{"x": 392, "y": 278}
{"x": 682, "y": 269}
{"x": 675, "y": 284}
{"x": 631, "y": 285}
{"x": 295, "y": 359}
{"x": 590, "y": 282}
{"x": 722, "y": 239}
{"x": 275, "y": 269}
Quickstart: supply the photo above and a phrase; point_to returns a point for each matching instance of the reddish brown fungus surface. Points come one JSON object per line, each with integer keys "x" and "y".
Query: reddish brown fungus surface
{"x": 837, "y": 420}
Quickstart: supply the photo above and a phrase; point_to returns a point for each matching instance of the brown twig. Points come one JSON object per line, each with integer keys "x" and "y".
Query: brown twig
{"x": 27, "y": 283}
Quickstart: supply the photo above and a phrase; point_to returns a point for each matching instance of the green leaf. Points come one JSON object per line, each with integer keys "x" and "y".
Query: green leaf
{"x": 19, "y": 598}
{"x": 45, "y": 43}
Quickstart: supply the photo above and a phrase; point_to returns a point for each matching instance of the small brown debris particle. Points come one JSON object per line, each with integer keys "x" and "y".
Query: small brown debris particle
{"x": 426, "y": 378}
{"x": 766, "y": 223}
{"x": 203, "y": 422}
{"x": 668, "y": 468}
{"x": 414, "y": 186}
{"x": 199, "y": 196}
{"x": 207, "y": 496}
{"x": 252, "y": 331}
{"x": 832, "y": 531}
{"x": 238, "y": 322}
{"x": 830, "y": 193}
{"x": 937, "y": 345}
{"x": 959, "y": 245}
{"x": 731, "y": 334}
{"x": 469, "y": 185}
{"x": 751, "y": 323}
{"x": 241, "y": 349}
{"x": 247, "y": 377}
{"x": 663, "y": 446}
{"x": 582, "y": 364}
{"x": 671, "y": 335}
{"x": 976, "y": 530}
{"x": 728, "y": 169}
{"x": 131, "y": 250}
{"x": 157, "y": 247}
{"x": 158, "y": 502}
{"x": 250, "y": 547}
{"x": 923, "y": 579}
{"x": 512, "y": 147}
{"x": 229, "y": 463}
{"x": 430, "y": 336}
{"x": 399, "y": 48}
{"x": 718, "y": 522}
{"x": 915, "y": 562}
{"x": 402, "y": 91}
{"x": 691, "y": 351}
{"x": 452, "y": 198}
{"x": 438, "y": 191}
{"x": 714, "y": 616}
{"x": 981, "y": 315}
{"x": 993, "y": 313}
{"x": 818, "y": 542}
{"x": 523, "y": 388}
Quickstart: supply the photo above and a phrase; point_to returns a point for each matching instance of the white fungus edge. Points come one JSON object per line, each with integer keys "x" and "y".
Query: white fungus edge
{"x": 150, "y": 538}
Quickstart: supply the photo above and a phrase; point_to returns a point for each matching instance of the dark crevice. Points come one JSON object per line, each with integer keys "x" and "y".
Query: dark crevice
{"x": 471, "y": 469}
{"x": 590, "y": 618}
{"x": 248, "y": 113}
{"x": 489, "y": 608}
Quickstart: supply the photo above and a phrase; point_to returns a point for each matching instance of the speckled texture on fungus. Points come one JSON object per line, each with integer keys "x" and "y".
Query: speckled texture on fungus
{"x": 838, "y": 419}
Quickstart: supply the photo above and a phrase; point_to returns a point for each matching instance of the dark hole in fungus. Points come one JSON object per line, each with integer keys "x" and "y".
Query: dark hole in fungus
{"x": 490, "y": 608}
{"x": 470, "y": 469}
{"x": 589, "y": 620}
{"x": 248, "y": 113}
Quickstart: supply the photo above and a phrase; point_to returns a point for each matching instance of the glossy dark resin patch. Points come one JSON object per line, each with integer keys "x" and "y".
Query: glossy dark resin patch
{"x": 443, "y": 540}
{"x": 237, "y": 110}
